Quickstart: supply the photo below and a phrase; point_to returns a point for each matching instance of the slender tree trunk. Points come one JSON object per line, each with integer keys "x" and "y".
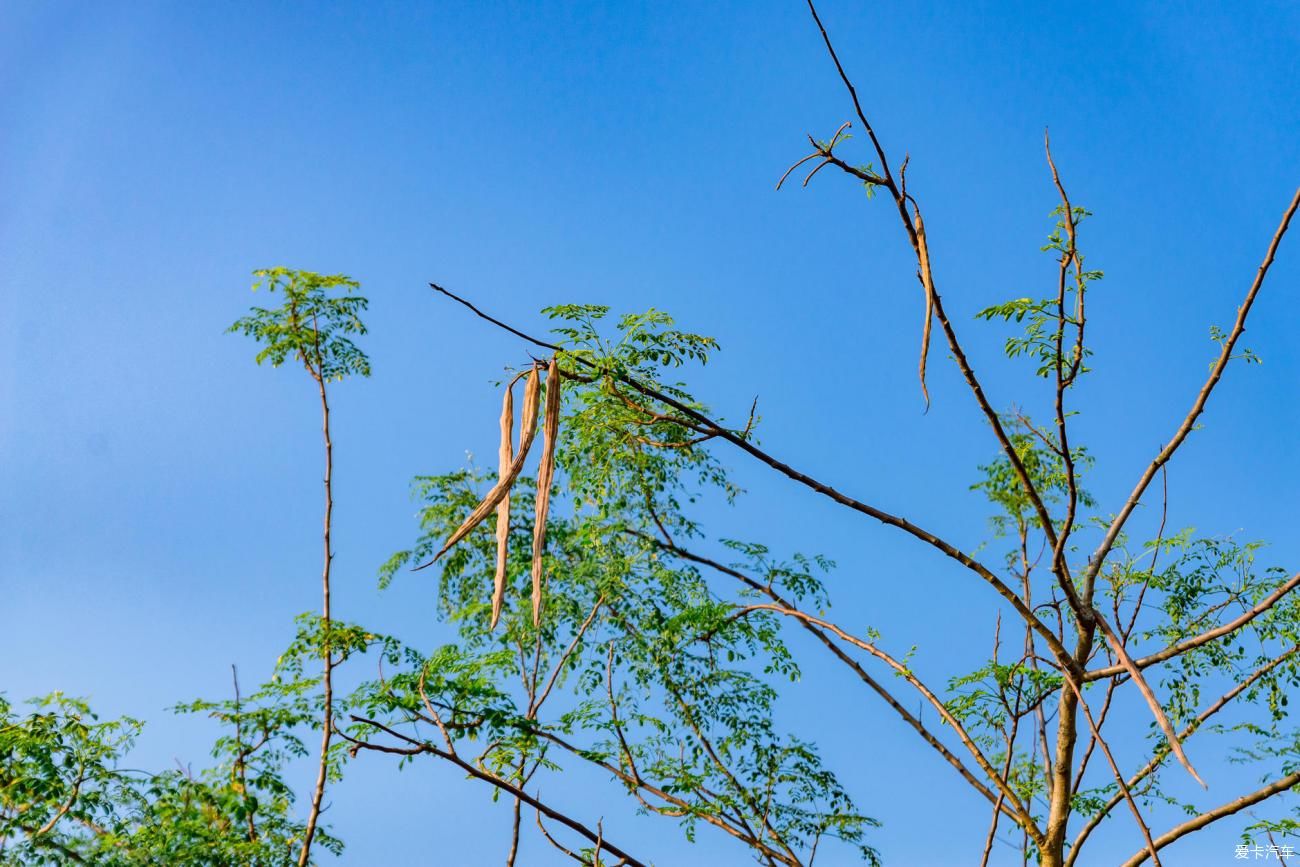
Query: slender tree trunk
{"x": 1058, "y": 820}
{"x": 327, "y": 678}
{"x": 514, "y": 836}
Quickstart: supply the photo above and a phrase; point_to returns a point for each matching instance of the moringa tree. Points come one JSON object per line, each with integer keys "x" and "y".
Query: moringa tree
{"x": 69, "y": 793}
{"x": 66, "y": 793}
{"x": 609, "y": 631}
{"x": 1192, "y": 630}
{"x": 312, "y": 328}
{"x": 638, "y": 667}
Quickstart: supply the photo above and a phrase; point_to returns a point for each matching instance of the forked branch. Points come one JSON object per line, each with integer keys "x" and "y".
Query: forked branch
{"x": 415, "y": 747}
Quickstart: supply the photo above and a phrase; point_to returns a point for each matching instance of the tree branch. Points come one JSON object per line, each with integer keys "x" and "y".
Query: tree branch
{"x": 417, "y": 746}
{"x": 849, "y": 661}
{"x": 745, "y": 445}
{"x": 1198, "y": 405}
{"x": 1204, "y": 638}
{"x": 1218, "y": 813}
{"x": 1159, "y": 758}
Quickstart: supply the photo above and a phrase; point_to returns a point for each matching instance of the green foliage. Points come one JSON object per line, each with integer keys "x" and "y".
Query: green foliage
{"x": 626, "y": 455}
{"x": 58, "y": 772}
{"x": 1247, "y": 355}
{"x": 1040, "y": 455}
{"x": 1047, "y": 320}
{"x": 660, "y": 676}
{"x": 991, "y": 695}
{"x": 311, "y": 326}
{"x": 65, "y": 795}
{"x": 645, "y": 341}
{"x": 1207, "y": 581}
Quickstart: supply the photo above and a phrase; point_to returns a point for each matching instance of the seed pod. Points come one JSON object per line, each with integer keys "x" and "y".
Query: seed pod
{"x": 1135, "y": 674}
{"x": 545, "y": 474}
{"x": 505, "y": 457}
{"x": 927, "y": 284}
{"x": 527, "y": 433}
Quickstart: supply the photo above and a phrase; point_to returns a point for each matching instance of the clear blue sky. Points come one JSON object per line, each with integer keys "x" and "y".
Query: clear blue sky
{"x": 159, "y": 493}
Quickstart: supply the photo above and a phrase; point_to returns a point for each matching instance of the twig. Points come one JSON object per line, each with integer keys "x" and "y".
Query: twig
{"x": 416, "y": 746}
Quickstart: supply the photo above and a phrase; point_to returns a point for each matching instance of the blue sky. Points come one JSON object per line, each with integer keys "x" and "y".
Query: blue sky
{"x": 159, "y": 493}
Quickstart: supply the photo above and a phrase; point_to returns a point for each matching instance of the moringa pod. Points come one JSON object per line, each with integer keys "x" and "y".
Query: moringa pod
{"x": 545, "y": 474}
{"x": 527, "y": 432}
{"x": 505, "y": 458}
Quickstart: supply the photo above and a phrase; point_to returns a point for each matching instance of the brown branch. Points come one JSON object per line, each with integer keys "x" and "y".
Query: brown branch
{"x": 613, "y": 715}
{"x": 1111, "y": 686}
{"x": 1119, "y": 776}
{"x": 1024, "y": 816}
{"x": 659, "y": 417}
{"x": 515, "y": 819}
{"x": 683, "y": 807}
{"x": 1076, "y": 361}
{"x": 993, "y": 825}
{"x": 547, "y": 834}
{"x": 433, "y": 714}
{"x": 1205, "y": 637}
{"x": 853, "y": 94}
{"x": 1006, "y": 766}
{"x": 915, "y": 229}
{"x": 1187, "y": 731}
{"x": 327, "y": 677}
{"x": 1198, "y": 405}
{"x": 416, "y": 746}
{"x": 536, "y": 705}
{"x": 1134, "y": 672}
{"x": 1155, "y": 552}
{"x": 740, "y": 789}
{"x": 849, "y": 661}
{"x": 1071, "y": 255}
{"x": 1217, "y": 813}
{"x": 59, "y": 814}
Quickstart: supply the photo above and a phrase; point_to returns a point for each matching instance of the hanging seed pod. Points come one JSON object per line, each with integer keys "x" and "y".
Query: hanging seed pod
{"x": 927, "y": 284}
{"x": 545, "y": 474}
{"x": 505, "y": 458}
{"x": 527, "y": 433}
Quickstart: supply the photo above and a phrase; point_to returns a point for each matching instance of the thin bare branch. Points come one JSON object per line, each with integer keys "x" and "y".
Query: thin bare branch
{"x": 1187, "y": 732}
{"x": 1152, "y": 702}
{"x": 417, "y": 746}
{"x": 1023, "y": 814}
{"x": 327, "y": 658}
{"x": 915, "y": 229}
{"x": 1198, "y": 405}
{"x": 1210, "y": 816}
{"x": 564, "y": 657}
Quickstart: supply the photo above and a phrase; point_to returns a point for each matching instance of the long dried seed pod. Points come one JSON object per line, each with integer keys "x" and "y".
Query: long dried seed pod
{"x": 927, "y": 284}
{"x": 528, "y": 431}
{"x": 545, "y": 474}
{"x": 505, "y": 458}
